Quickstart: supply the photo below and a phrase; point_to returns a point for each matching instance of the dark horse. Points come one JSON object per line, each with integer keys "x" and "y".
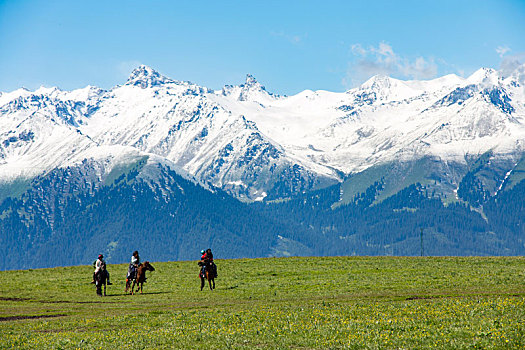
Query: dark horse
{"x": 101, "y": 278}
{"x": 140, "y": 277}
{"x": 207, "y": 274}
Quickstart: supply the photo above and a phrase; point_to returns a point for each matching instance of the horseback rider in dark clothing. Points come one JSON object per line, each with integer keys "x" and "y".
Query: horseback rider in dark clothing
{"x": 133, "y": 265}
{"x": 207, "y": 263}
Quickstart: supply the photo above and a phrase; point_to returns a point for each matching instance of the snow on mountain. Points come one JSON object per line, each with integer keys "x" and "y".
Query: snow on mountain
{"x": 386, "y": 119}
{"x": 6, "y": 97}
{"x": 251, "y": 90}
{"x": 146, "y": 77}
{"x": 254, "y": 143}
{"x": 484, "y": 77}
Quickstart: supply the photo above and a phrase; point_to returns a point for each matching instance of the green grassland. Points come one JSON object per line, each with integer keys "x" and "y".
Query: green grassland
{"x": 274, "y": 303}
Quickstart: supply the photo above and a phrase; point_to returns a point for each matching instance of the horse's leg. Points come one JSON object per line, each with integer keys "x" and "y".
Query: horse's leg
{"x": 202, "y": 283}
{"x": 133, "y": 286}
{"x": 98, "y": 285}
{"x": 208, "y": 276}
{"x": 213, "y": 280}
{"x": 104, "y": 288}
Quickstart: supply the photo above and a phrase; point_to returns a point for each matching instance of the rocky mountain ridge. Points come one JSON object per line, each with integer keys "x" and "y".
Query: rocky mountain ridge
{"x": 257, "y": 145}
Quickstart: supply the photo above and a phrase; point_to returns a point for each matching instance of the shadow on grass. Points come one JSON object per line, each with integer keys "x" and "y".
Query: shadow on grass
{"x": 16, "y": 318}
{"x": 13, "y": 299}
{"x": 67, "y": 301}
{"x": 144, "y": 293}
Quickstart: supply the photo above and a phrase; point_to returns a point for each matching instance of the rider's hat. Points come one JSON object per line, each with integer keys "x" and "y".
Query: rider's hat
{"x": 100, "y": 256}
{"x": 203, "y": 251}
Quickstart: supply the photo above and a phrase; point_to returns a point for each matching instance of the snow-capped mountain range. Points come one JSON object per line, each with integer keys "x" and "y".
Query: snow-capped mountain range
{"x": 255, "y": 144}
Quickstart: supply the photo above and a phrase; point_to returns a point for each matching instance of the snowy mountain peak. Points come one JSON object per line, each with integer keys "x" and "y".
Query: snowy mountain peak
{"x": 252, "y": 84}
{"x": 378, "y": 82}
{"x": 47, "y": 91}
{"x": 484, "y": 76}
{"x": 7, "y": 97}
{"x": 381, "y": 88}
{"x": 144, "y": 77}
{"x": 251, "y": 81}
{"x": 251, "y": 90}
{"x": 143, "y": 70}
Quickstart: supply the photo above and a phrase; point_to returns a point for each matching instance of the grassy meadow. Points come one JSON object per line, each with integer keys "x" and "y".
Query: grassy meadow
{"x": 274, "y": 303}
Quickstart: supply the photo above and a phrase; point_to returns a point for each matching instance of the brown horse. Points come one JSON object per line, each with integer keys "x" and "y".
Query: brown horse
{"x": 140, "y": 277}
{"x": 209, "y": 275}
{"x": 101, "y": 280}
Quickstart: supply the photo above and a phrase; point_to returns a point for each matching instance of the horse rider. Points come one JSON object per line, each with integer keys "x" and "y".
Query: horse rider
{"x": 209, "y": 256}
{"x": 207, "y": 262}
{"x": 133, "y": 265}
{"x": 100, "y": 267}
{"x": 203, "y": 263}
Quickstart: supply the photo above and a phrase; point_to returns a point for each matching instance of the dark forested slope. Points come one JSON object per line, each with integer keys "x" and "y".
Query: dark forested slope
{"x": 58, "y": 221}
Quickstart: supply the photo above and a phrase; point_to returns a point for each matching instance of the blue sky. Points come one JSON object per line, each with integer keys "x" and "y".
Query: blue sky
{"x": 288, "y": 46}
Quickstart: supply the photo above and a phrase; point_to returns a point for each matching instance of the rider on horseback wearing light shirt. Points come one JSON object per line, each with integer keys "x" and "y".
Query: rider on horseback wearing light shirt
{"x": 135, "y": 259}
{"x": 100, "y": 264}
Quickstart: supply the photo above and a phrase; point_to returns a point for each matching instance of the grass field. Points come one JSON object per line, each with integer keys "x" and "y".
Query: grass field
{"x": 287, "y": 303}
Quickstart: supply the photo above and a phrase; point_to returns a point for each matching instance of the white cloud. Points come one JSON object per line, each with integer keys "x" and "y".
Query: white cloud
{"x": 502, "y": 50}
{"x": 384, "y": 50}
{"x": 513, "y": 64}
{"x": 357, "y": 49}
{"x": 419, "y": 69}
{"x": 383, "y": 60}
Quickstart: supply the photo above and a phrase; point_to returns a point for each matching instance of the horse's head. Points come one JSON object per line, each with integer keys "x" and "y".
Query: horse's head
{"x": 148, "y": 266}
